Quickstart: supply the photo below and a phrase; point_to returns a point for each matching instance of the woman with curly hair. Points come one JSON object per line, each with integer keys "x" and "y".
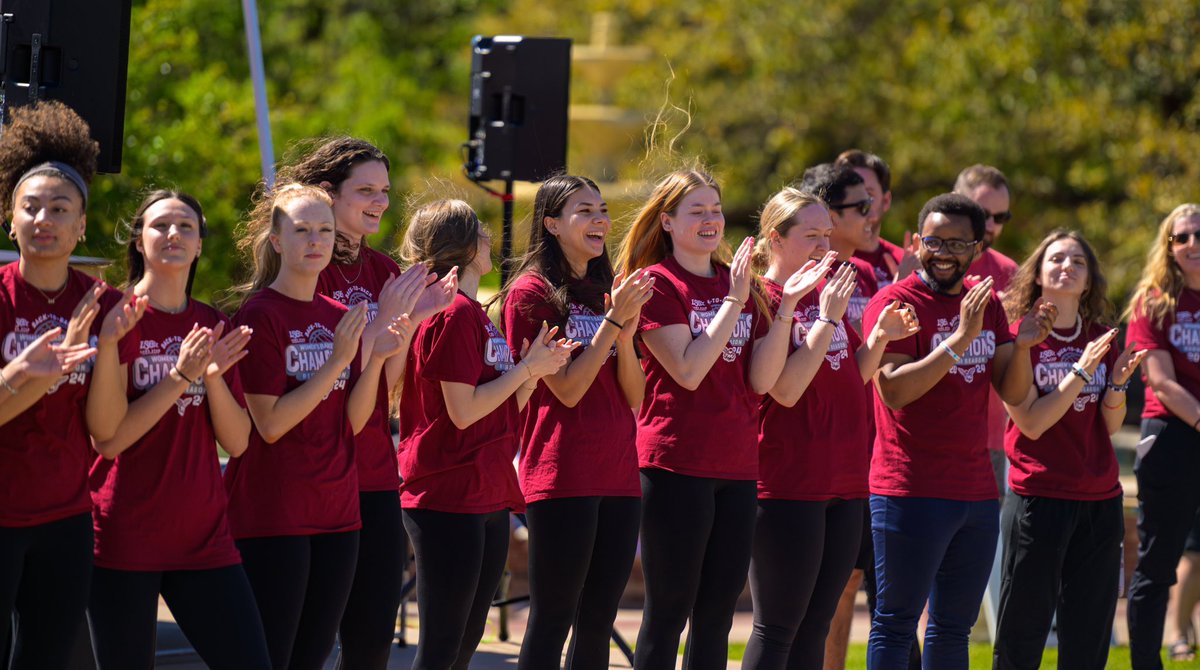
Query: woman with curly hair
{"x": 1165, "y": 318}
{"x": 47, "y": 161}
{"x": 1062, "y": 520}
{"x": 355, "y": 174}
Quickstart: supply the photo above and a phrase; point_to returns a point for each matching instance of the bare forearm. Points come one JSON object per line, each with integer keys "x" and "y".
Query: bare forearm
{"x": 771, "y": 354}
{"x": 106, "y": 402}
{"x": 142, "y": 414}
{"x": 802, "y": 365}
{"x": 870, "y": 354}
{"x": 1178, "y": 400}
{"x": 288, "y": 410}
{"x": 1018, "y": 376}
{"x": 231, "y": 422}
{"x": 571, "y": 383}
{"x": 362, "y": 397}
{"x": 704, "y": 350}
{"x": 466, "y": 406}
{"x": 1045, "y": 411}
{"x": 901, "y": 385}
{"x": 1113, "y": 408}
{"x": 630, "y": 374}
{"x": 27, "y": 396}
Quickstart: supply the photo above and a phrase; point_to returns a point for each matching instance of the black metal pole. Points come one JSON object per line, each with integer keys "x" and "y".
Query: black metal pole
{"x": 506, "y": 241}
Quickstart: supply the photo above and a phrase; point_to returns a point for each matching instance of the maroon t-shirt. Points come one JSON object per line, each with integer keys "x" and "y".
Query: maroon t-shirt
{"x": 865, "y": 286}
{"x": 712, "y": 431}
{"x": 46, "y": 451}
{"x": 1179, "y": 336}
{"x": 350, "y": 285}
{"x": 585, "y": 450}
{"x": 1000, "y": 268}
{"x": 160, "y": 505}
{"x": 814, "y": 449}
{"x": 306, "y": 482}
{"x": 878, "y": 261}
{"x": 446, "y": 469}
{"x": 936, "y": 446}
{"x": 1074, "y": 458}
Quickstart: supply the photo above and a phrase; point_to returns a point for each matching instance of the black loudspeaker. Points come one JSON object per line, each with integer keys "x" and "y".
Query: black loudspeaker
{"x": 520, "y": 88}
{"x": 73, "y": 51}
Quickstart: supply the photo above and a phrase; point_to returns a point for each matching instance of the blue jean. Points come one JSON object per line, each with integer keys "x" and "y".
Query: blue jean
{"x": 929, "y": 549}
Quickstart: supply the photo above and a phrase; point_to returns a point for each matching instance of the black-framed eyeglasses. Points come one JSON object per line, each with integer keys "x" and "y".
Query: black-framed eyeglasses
{"x": 1183, "y": 238}
{"x": 1000, "y": 218}
{"x": 863, "y": 206}
{"x": 957, "y": 247}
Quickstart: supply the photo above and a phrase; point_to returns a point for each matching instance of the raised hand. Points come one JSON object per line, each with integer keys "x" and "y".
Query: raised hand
{"x": 545, "y": 355}
{"x": 399, "y": 294}
{"x": 195, "y": 352}
{"x": 628, "y": 295}
{"x": 347, "y": 336}
{"x": 909, "y": 261}
{"x": 740, "y": 271}
{"x": 897, "y": 321}
{"x": 835, "y": 296}
{"x": 806, "y": 279}
{"x": 972, "y": 309}
{"x": 436, "y": 297}
{"x": 391, "y": 340}
{"x": 228, "y": 350}
{"x": 1095, "y": 351}
{"x": 1037, "y": 323}
{"x": 42, "y": 358}
{"x": 1127, "y": 363}
{"x": 85, "y": 313}
{"x": 630, "y": 327}
{"x": 123, "y": 317}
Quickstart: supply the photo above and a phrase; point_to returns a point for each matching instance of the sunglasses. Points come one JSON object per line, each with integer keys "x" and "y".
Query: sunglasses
{"x": 1183, "y": 238}
{"x": 957, "y": 247}
{"x": 863, "y": 206}
{"x": 1000, "y": 218}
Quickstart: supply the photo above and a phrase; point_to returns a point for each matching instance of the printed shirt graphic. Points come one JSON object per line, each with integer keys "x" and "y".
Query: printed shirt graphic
{"x": 815, "y": 450}
{"x": 375, "y": 453}
{"x": 1074, "y": 458}
{"x": 445, "y": 469}
{"x": 585, "y": 450}
{"x": 1179, "y": 336}
{"x": 712, "y": 431}
{"x": 878, "y": 262}
{"x": 161, "y": 505}
{"x": 306, "y": 482}
{"x": 936, "y": 446}
{"x": 46, "y": 451}
{"x": 865, "y": 286}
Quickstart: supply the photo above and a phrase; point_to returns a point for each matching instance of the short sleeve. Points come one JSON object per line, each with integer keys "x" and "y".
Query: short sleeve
{"x": 127, "y": 348}
{"x": 451, "y": 347}
{"x": 262, "y": 369}
{"x": 666, "y": 306}
{"x": 1142, "y": 331}
{"x": 525, "y": 308}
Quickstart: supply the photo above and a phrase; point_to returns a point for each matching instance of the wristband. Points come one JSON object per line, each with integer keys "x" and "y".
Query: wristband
{"x": 824, "y": 319}
{"x": 180, "y": 373}
{"x": 606, "y": 318}
{"x": 528, "y": 369}
{"x": 783, "y": 316}
{"x": 1119, "y": 388}
{"x": 1078, "y": 371}
{"x": 1116, "y": 406}
{"x": 737, "y": 301}
{"x": 4, "y": 382}
{"x": 946, "y": 347}
{"x": 1196, "y": 426}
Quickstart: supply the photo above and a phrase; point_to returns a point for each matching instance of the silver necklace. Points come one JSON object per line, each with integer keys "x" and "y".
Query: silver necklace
{"x": 361, "y": 263}
{"x": 1072, "y": 336}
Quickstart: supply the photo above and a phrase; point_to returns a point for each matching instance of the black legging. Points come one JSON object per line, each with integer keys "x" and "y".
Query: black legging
{"x": 301, "y": 583}
{"x": 45, "y": 577}
{"x": 460, "y": 560}
{"x": 369, "y": 623}
{"x": 696, "y": 535}
{"x": 1168, "y": 496}
{"x": 804, "y": 552}
{"x": 215, "y": 609}
{"x": 580, "y": 554}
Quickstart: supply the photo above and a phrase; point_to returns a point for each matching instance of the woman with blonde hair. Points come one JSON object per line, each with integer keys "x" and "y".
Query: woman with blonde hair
{"x": 293, "y": 493}
{"x": 711, "y": 351}
{"x": 459, "y": 408}
{"x": 812, "y": 439}
{"x": 1062, "y": 519}
{"x": 1165, "y": 319}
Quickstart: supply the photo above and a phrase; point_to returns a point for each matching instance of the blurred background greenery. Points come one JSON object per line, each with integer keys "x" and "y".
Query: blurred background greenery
{"x": 1089, "y": 107}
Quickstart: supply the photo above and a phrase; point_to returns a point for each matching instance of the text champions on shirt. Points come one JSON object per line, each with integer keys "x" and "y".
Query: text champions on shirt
{"x": 702, "y": 314}
{"x": 308, "y": 351}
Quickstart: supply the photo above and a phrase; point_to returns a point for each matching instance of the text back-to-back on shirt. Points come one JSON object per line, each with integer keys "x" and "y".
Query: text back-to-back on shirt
{"x": 814, "y": 450}
{"x": 446, "y": 469}
{"x": 351, "y": 284}
{"x": 712, "y": 431}
{"x": 306, "y": 482}
{"x": 936, "y": 446}
{"x": 1179, "y": 336}
{"x": 161, "y": 505}
{"x": 1074, "y": 458}
{"x": 585, "y": 450}
{"x": 46, "y": 452}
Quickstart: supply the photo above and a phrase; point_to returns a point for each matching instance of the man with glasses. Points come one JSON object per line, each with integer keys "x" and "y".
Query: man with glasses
{"x": 988, "y": 186}
{"x": 934, "y": 504}
{"x": 845, "y": 194}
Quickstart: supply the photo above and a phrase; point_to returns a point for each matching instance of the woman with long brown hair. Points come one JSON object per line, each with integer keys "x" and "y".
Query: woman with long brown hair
{"x": 1062, "y": 520}
{"x": 1165, "y": 318}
